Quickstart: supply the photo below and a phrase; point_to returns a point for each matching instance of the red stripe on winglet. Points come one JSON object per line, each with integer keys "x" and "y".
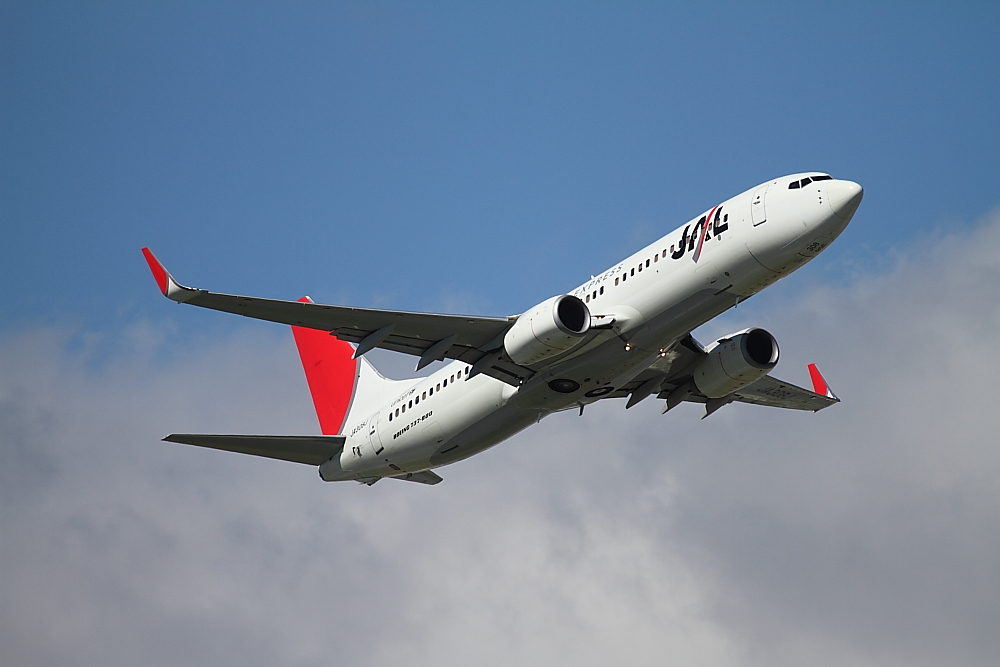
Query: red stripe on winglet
{"x": 819, "y": 384}
{"x": 159, "y": 272}
{"x": 331, "y": 373}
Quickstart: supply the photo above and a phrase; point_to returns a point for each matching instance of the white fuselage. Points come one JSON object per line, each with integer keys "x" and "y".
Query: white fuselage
{"x": 656, "y": 296}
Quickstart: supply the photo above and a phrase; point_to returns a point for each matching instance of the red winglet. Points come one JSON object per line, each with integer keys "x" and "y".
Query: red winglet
{"x": 819, "y": 384}
{"x": 159, "y": 272}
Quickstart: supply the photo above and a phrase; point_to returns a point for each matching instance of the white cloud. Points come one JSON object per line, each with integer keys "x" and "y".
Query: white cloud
{"x": 865, "y": 534}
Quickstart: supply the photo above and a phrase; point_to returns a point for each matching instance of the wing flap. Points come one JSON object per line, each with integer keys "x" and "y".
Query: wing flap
{"x": 308, "y": 449}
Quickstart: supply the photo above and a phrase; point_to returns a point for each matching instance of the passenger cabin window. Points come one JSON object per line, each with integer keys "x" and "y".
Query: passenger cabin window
{"x": 587, "y": 300}
{"x": 616, "y": 282}
{"x": 647, "y": 263}
{"x": 632, "y": 272}
{"x": 602, "y": 289}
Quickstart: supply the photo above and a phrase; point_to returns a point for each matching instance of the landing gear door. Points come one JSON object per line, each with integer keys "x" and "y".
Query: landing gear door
{"x": 757, "y": 212}
{"x": 373, "y": 437}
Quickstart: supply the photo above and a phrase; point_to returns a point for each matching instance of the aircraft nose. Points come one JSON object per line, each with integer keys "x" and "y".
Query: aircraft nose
{"x": 844, "y": 198}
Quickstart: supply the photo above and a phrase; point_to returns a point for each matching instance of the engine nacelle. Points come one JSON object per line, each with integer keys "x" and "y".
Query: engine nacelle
{"x": 548, "y": 329}
{"x": 735, "y": 361}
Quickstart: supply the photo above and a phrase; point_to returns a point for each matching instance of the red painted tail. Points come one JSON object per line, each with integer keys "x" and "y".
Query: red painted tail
{"x": 332, "y": 374}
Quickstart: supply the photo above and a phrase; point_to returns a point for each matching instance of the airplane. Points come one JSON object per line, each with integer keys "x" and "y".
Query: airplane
{"x": 625, "y": 333}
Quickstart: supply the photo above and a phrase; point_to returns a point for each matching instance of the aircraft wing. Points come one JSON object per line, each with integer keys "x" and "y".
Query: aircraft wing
{"x": 780, "y": 394}
{"x": 309, "y": 449}
{"x": 673, "y": 371}
{"x": 431, "y": 337}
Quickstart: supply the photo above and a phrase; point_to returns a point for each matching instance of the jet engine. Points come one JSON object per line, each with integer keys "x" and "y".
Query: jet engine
{"x": 735, "y": 361}
{"x": 548, "y": 329}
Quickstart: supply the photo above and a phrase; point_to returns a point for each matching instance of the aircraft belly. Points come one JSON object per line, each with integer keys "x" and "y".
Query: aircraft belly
{"x": 614, "y": 363}
{"x": 682, "y": 317}
{"x": 479, "y": 436}
{"x": 447, "y": 422}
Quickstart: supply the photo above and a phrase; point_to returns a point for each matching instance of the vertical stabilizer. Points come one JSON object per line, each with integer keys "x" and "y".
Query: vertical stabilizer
{"x": 332, "y": 375}
{"x": 344, "y": 390}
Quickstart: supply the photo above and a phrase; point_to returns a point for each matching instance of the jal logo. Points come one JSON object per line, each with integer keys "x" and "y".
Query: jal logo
{"x": 703, "y": 231}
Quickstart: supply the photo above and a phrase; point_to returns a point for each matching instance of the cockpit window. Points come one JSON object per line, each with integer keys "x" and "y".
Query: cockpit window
{"x": 795, "y": 185}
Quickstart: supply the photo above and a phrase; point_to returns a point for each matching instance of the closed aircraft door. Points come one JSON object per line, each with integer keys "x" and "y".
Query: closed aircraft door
{"x": 373, "y": 437}
{"x": 757, "y": 211}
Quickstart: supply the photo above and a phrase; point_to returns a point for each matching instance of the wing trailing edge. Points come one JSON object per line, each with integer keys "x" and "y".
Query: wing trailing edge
{"x": 430, "y": 336}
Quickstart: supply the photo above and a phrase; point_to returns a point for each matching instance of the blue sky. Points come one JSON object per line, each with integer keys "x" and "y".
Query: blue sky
{"x": 460, "y": 157}
{"x": 481, "y": 158}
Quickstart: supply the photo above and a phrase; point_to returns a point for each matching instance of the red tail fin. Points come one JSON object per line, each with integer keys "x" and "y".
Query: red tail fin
{"x": 331, "y": 372}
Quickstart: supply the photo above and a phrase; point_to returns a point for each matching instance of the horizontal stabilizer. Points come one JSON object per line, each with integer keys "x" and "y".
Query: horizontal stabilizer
{"x": 309, "y": 449}
{"x": 424, "y": 477}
